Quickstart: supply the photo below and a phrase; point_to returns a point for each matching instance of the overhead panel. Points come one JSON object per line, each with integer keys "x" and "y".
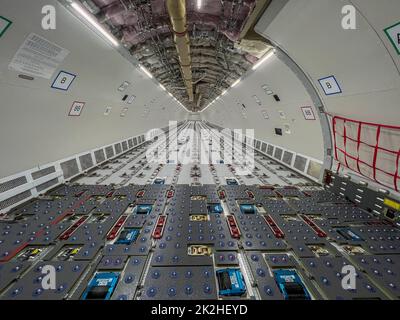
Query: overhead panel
{"x": 196, "y": 50}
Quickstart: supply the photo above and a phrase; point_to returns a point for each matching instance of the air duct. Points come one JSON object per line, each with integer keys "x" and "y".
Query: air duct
{"x": 177, "y": 14}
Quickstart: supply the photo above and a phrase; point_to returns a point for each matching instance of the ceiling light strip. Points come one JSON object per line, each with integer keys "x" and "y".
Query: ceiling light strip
{"x": 147, "y": 72}
{"x": 236, "y": 83}
{"x": 263, "y": 59}
{"x": 90, "y": 18}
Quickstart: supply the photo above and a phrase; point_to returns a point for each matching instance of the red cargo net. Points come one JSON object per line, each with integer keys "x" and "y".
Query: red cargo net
{"x": 370, "y": 149}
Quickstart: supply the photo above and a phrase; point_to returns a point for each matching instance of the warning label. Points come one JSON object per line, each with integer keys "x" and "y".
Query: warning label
{"x": 393, "y": 34}
{"x": 38, "y": 57}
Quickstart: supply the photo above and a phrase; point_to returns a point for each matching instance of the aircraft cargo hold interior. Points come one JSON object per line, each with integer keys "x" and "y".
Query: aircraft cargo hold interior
{"x": 230, "y": 150}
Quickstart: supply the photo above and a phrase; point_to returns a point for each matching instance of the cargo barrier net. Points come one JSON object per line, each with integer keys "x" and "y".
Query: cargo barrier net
{"x": 370, "y": 149}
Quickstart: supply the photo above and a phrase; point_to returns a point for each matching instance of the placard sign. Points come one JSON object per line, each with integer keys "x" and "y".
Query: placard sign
{"x": 123, "y": 112}
{"x": 330, "y": 85}
{"x": 393, "y": 33}
{"x": 4, "y": 25}
{"x": 76, "y": 109}
{"x": 308, "y": 113}
{"x": 38, "y": 57}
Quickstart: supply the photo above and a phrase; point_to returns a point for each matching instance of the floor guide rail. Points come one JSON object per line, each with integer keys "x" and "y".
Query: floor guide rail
{"x": 137, "y": 230}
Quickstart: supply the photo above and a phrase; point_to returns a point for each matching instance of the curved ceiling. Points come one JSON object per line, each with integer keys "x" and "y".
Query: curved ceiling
{"x": 364, "y": 62}
{"x": 224, "y": 45}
